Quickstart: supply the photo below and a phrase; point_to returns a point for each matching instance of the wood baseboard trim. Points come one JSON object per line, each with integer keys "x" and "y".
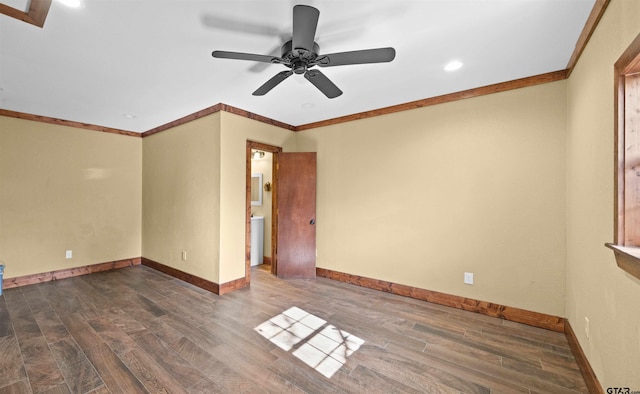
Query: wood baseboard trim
{"x": 68, "y": 273}
{"x": 196, "y": 280}
{"x": 176, "y": 273}
{"x": 535, "y": 319}
{"x": 588, "y": 375}
{"x": 266, "y": 260}
{"x": 233, "y": 286}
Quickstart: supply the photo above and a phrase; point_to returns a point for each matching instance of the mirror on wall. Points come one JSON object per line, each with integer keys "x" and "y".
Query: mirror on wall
{"x": 256, "y": 189}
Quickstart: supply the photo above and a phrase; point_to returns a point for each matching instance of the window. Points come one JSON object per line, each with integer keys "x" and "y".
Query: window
{"x": 627, "y": 180}
{"x": 627, "y": 71}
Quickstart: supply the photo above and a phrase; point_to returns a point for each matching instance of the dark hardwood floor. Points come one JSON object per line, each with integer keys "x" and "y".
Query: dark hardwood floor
{"x": 138, "y": 330}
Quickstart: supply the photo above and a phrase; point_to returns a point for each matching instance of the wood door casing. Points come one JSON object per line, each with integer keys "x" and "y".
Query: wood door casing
{"x": 275, "y": 150}
{"x": 296, "y": 213}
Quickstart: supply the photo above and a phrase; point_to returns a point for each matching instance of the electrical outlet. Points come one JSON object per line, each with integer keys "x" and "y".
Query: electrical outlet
{"x": 184, "y": 255}
{"x": 68, "y": 254}
{"x": 586, "y": 326}
{"x": 468, "y": 278}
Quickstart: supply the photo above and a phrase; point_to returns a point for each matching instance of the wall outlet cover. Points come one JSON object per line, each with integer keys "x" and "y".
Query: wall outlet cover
{"x": 468, "y": 278}
{"x": 68, "y": 254}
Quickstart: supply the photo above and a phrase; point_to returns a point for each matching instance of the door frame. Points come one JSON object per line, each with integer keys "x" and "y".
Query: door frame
{"x": 274, "y": 199}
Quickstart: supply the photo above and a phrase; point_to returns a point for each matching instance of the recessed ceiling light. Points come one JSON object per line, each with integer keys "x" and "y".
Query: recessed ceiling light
{"x": 129, "y": 116}
{"x": 71, "y": 3}
{"x": 308, "y": 105}
{"x": 453, "y": 65}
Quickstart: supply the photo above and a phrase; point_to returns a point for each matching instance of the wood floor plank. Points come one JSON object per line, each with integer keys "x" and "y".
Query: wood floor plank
{"x": 61, "y": 388}
{"x": 490, "y": 375}
{"x": 24, "y": 324}
{"x": 245, "y": 364}
{"x": 418, "y": 372}
{"x": 11, "y": 362}
{"x": 6, "y": 327}
{"x": 36, "y": 301}
{"x": 303, "y": 376}
{"x": 35, "y": 350}
{"x": 206, "y": 340}
{"x": 50, "y": 325}
{"x": 436, "y": 340}
{"x": 100, "y": 390}
{"x": 372, "y": 381}
{"x": 114, "y": 373}
{"x": 173, "y": 363}
{"x": 81, "y": 377}
{"x": 150, "y": 373}
{"x": 244, "y": 339}
{"x": 140, "y": 330}
{"x": 45, "y": 375}
{"x": 66, "y": 351}
{"x": 224, "y": 378}
{"x": 84, "y": 335}
{"x": 19, "y": 387}
{"x": 207, "y": 385}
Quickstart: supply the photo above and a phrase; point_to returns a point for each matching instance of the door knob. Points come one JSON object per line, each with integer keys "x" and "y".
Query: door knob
{"x": 312, "y": 222}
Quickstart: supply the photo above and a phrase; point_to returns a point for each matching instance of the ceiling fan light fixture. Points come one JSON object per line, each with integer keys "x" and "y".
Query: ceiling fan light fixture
{"x": 453, "y": 65}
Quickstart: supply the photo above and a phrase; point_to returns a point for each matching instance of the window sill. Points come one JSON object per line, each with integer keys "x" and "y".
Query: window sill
{"x": 627, "y": 257}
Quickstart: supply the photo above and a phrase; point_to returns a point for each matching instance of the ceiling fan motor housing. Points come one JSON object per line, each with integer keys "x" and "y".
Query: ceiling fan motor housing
{"x": 299, "y": 58}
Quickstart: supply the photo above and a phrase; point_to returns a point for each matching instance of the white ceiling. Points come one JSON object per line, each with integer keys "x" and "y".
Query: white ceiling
{"x": 152, "y": 58}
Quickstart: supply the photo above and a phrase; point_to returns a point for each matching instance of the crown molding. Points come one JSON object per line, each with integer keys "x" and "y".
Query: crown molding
{"x": 447, "y": 98}
{"x": 68, "y": 123}
{"x": 217, "y": 108}
{"x": 592, "y": 22}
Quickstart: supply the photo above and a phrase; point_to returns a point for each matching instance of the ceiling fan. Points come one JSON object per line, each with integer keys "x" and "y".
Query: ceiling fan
{"x": 300, "y": 55}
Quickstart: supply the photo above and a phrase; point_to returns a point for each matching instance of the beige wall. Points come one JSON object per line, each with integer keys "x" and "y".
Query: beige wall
{"x": 181, "y": 197}
{"x": 236, "y": 130}
{"x": 264, "y": 166}
{"x": 64, "y": 189}
{"x": 516, "y": 187}
{"x": 419, "y": 197}
{"x": 194, "y": 184}
{"x": 596, "y": 287}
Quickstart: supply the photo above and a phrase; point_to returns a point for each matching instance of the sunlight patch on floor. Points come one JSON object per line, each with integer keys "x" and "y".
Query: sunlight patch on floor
{"x": 326, "y": 351}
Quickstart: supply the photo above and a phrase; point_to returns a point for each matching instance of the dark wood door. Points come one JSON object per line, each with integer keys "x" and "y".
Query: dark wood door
{"x": 296, "y": 215}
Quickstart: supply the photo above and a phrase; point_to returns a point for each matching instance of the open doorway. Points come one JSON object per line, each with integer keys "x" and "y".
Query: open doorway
{"x": 260, "y": 202}
{"x": 293, "y": 211}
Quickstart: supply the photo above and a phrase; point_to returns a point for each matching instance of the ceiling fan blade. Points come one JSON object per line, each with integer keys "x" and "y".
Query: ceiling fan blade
{"x": 378, "y": 55}
{"x": 258, "y": 67}
{"x": 324, "y": 84}
{"x": 305, "y": 22}
{"x": 272, "y": 83}
{"x": 246, "y": 56}
{"x": 240, "y": 26}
